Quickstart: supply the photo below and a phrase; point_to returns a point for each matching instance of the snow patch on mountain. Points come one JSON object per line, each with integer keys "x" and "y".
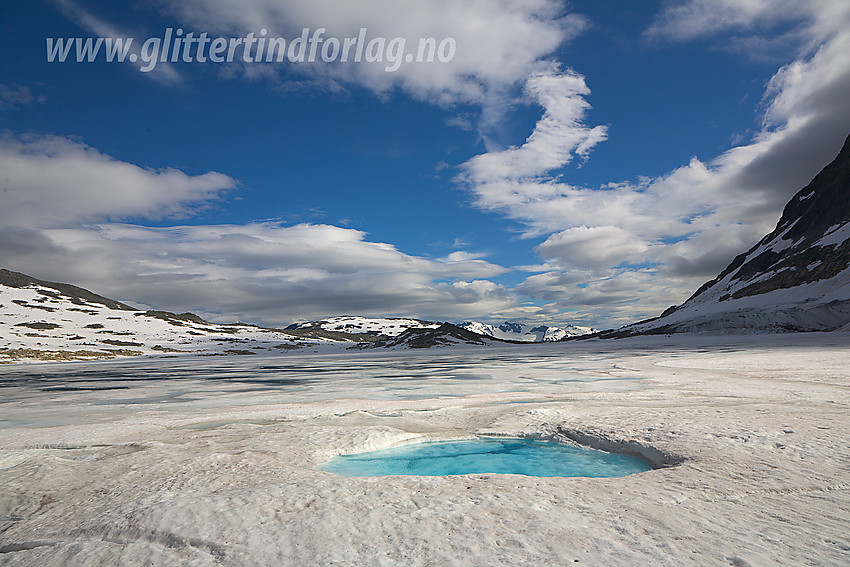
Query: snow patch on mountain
{"x": 390, "y": 327}
{"x": 526, "y": 333}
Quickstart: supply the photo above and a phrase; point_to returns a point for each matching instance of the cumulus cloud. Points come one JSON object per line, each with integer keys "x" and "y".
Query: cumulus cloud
{"x": 617, "y": 297}
{"x": 597, "y": 246}
{"x": 557, "y": 137}
{"x": 259, "y": 272}
{"x": 49, "y": 181}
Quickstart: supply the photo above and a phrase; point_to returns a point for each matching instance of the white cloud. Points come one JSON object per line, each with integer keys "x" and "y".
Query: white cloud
{"x": 758, "y": 29}
{"x": 598, "y": 246}
{"x": 615, "y": 298}
{"x": 557, "y": 137}
{"x": 700, "y": 18}
{"x": 50, "y": 181}
{"x": 498, "y": 41}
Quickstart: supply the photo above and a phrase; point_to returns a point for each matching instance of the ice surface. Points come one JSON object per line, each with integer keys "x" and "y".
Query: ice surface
{"x": 169, "y": 468}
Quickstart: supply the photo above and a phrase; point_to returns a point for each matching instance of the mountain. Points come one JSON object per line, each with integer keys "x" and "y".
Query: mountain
{"x": 444, "y": 334}
{"x": 797, "y": 278}
{"x": 526, "y": 333}
{"x": 357, "y": 326}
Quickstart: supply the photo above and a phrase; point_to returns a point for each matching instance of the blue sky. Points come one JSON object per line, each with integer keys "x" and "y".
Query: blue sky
{"x": 579, "y": 162}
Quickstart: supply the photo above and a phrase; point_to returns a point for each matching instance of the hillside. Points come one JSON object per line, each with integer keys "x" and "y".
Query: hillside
{"x": 49, "y": 321}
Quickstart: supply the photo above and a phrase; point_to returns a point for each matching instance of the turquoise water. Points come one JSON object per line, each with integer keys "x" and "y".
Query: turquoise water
{"x": 500, "y": 456}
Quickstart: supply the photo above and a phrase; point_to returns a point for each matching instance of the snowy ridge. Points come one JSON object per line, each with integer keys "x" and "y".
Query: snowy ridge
{"x": 526, "y": 333}
{"x": 443, "y": 335}
{"x": 390, "y": 327}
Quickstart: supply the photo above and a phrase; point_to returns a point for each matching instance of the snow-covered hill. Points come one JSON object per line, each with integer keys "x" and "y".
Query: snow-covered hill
{"x": 48, "y": 321}
{"x": 390, "y": 327}
{"x": 526, "y": 333}
{"x": 797, "y": 278}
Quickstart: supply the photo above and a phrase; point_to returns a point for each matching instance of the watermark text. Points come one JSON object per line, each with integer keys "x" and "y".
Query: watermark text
{"x": 312, "y": 46}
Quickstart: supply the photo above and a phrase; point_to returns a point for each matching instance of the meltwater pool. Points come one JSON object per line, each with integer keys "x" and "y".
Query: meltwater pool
{"x": 487, "y": 455}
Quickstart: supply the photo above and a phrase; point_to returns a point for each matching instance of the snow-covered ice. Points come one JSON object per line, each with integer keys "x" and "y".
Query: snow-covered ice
{"x": 211, "y": 463}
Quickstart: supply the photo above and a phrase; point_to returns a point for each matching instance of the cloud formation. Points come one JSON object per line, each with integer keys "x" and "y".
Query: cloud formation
{"x": 558, "y": 136}
{"x": 498, "y": 41}
{"x": 50, "y": 181}
{"x": 12, "y": 96}
{"x": 259, "y": 272}
{"x": 592, "y": 247}
{"x": 696, "y": 19}
{"x": 54, "y": 188}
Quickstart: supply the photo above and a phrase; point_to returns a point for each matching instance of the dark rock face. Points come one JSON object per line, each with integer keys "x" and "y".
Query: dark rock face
{"x": 511, "y": 327}
{"x": 169, "y": 316}
{"x": 314, "y": 330}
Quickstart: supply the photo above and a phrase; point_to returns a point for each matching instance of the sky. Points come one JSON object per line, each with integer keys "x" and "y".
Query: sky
{"x": 588, "y": 162}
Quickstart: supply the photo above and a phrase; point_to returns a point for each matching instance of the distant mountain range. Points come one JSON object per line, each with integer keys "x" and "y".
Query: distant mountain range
{"x": 393, "y": 327}
{"x": 390, "y": 327}
{"x": 526, "y": 333}
{"x": 42, "y": 320}
{"x": 797, "y": 278}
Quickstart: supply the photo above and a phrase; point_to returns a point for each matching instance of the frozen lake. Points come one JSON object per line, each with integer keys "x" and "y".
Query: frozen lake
{"x": 56, "y": 394}
{"x": 210, "y": 461}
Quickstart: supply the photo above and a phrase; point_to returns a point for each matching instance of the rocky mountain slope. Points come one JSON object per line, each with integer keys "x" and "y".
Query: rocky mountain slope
{"x": 797, "y": 278}
{"x": 508, "y": 331}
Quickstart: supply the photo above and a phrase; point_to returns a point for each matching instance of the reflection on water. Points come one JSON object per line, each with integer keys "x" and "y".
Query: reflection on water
{"x": 29, "y": 391}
